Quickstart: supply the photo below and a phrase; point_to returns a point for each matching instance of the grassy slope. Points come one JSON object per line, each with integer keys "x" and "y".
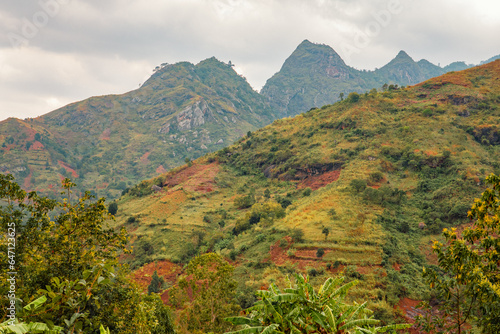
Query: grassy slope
{"x": 422, "y": 152}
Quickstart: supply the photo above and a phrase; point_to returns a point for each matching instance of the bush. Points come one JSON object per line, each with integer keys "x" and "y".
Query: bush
{"x": 297, "y": 235}
{"x": 353, "y": 97}
{"x": 320, "y": 252}
{"x": 307, "y": 192}
{"x": 358, "y": 185}
{"x": 113, "y": 208}
{"x": 376, "y": 177}
{"x": 245, "y": 201}
{"x": 313, "y": 272}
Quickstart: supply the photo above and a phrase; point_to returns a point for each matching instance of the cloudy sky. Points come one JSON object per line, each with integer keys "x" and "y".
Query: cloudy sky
{"x": 53, "y": 52}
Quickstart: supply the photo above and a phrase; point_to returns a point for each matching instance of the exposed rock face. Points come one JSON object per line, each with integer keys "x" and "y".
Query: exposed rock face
{"x": 192, "y": 116}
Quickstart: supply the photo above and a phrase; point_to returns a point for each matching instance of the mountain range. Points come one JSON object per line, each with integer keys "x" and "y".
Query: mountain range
{"x": 315, "y": 75}
{"x": 108, "y": 143}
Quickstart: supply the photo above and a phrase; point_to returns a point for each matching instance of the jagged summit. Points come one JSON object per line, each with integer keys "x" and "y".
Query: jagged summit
{"x": 402, "y": 55}
{"x": 312, "y": 54}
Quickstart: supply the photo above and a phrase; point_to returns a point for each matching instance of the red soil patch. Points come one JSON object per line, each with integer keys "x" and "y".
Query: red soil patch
{"x": 166, "y": 269}
{"x": 144, "y": 158}
{"x": 27, "y": 181}
{"x": 36, "y": 146}
{"x": 410, "y": 311}
{"x": 105, "y": 134}
{"x": 200, "y": 178}
{"x": 67, "y": 168}
{"x": 396, "y": 266}
{"x": 304, "y": 258}
{"x": 318, "y": 181}
{"x": 368, "y": 269}
{"x": 161, "y": 169}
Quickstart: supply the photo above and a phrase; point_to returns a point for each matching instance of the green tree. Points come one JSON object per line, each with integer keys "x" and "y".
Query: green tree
{"x": 341, "y": 96}
{"x": 267, "y": 193}
{"x": 353, "y": 97}
{"x": 468, "y": 279}
{"x": 302, "y": 309}
{"x": 113, "y": 208}
{"x": 209, "y": 281}
{"x": 65, "y": 255}
{"x": 155, "y": 285}
{"x": 325, "y": 231}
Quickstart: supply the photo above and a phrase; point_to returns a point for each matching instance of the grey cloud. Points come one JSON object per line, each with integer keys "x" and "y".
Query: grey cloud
{"x": 257, "y": 35}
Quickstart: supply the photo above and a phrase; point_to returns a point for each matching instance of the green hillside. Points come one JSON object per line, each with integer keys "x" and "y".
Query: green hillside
{"x": 370, "y": 180}
{"x": 109, "y": 142}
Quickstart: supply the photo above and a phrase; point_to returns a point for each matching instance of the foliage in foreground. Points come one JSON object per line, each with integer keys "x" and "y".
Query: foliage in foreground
{"x": 67, "y": 273}
{"x": 300, "y": 309}
{"x": 205, "y": 295}
{"x": 469, "y": 284}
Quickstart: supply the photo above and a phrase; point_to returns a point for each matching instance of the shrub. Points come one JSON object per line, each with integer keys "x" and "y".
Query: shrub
{"x": 244, "y": 202}
{"x": 297, "y": 235}
{"x": 313, "y": 272}
{"x": 113, "y": 208}
{"x": 307, "y": 192}
{"x": 353, "y": 97}
{"x": 283, "y": 243}
{"x": 358, "y": 185}
{"x": 376, "y": 176}
{"x": 320, "y": 252}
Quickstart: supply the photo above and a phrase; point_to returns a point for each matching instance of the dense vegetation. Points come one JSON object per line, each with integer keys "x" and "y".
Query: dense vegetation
{"x": 371, "y": 181}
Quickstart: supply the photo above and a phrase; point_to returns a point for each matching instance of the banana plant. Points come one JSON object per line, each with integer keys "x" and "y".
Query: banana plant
{"x": 32, "y": 327}
{"x": 302, "y": 309}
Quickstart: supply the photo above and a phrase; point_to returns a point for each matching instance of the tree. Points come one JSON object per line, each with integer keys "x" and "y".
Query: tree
{"x": 155, "y": 285}
{"x": 341, "y": 96}
{"x": 267, "y": 193}
{"x": 325, "y": 231}
{"x": 209, "y": 281}
{"x": 302, "y": 309}
{"x": 468, "y": 279}
{"x": 113, "y": 208}
{"x": 320, "y": 252}
{"x": 66, "y": 259}
{"x": 353, "y": 97}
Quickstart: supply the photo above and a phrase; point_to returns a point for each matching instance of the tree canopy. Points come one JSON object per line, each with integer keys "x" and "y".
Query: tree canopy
{"x": 468, "y": 278}
{"x": 67, "y": 273}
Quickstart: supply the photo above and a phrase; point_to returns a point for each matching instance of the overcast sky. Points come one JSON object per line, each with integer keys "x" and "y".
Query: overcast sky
{"x": 53, "y": 52}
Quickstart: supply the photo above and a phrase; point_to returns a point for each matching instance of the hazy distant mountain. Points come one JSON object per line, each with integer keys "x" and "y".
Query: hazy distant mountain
{"x": 490, "y": 60}
{"x": 315, "y": 75}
